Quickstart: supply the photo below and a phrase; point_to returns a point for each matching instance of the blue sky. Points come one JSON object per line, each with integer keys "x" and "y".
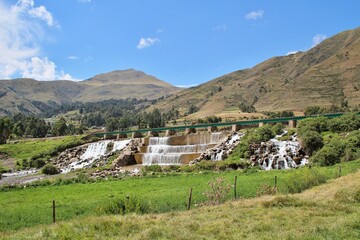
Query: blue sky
{"x": 182, "y": 42}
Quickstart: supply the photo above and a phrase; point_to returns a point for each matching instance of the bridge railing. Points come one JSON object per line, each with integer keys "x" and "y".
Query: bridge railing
{"x": 222, "y": 124}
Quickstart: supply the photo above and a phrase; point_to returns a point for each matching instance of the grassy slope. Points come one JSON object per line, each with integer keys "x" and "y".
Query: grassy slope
{"x": 29, "y": 148}
{"x": 32, "y": 206}
{"x": 318, "y": 213}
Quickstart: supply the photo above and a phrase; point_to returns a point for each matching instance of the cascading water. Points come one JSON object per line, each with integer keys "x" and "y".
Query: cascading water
{"x": 93, "y": 152}
{"x": 161, "y": 152}
{"x": 218, "y": 155}
{"x": 280, "y": 154}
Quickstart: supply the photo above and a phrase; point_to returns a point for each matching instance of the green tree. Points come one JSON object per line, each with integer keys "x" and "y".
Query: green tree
{"x": 60, "y": 128}
{"x": 19, "y": 129}
{"x": 5, "y": 129}
{"x": 112, "y": 124}
{"x": 312, "y": 141}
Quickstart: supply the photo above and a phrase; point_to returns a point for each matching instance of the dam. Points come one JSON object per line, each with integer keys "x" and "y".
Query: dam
{"x": 176, "y": 150}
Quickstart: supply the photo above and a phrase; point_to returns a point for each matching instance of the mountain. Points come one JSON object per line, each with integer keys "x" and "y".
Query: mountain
{"x": 328, "y": 74}
{"x": 19, "y": 95}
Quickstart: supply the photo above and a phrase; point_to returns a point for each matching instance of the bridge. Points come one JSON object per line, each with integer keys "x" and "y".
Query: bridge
{"x": 213, "y": 126}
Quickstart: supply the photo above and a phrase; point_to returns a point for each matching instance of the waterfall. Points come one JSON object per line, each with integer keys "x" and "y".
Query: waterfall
{"x": 93, "y": 152}
{"x": 279, "y": 154}
{"x": 120, "y": 145}
{"x": 159, "y": 151}
{"x": 217, "y": 137}
{"x": 159, "y": 140}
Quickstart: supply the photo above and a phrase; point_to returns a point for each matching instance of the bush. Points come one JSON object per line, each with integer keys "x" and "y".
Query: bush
{"x": 312, "y": 141}
{"x": 151, "y": 168}
{"x": 265, "y": 189}
{"x": 126, "y": 205}
{"x": 50, "y": 169}
{"x": 330, "y": 154}
{"x": 38, "y": 163}
{"x": 319, "y": 124}
{"x": 219, "y": 189}
{"x": 278, "y": 128}
{"x": 171, "y": 168}
{"x": 345, "y": 123}
{"x": 304, "y": 179}
{"x": 206, "y": 165}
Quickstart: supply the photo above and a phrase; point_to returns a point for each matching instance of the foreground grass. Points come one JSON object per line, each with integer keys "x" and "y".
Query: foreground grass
{"x": 299, "y": 216}
{"x": 21, "y": 208}
{"x": 29, "y": 148}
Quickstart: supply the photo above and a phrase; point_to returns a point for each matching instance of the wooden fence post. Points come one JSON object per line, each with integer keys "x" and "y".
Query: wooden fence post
{"x": 189, "y": 202}
{"x": 339, "y": 171}
{"x": 275, "y": 184}
{"x": 235, "y": 187}
{"x": 53, "y": 211}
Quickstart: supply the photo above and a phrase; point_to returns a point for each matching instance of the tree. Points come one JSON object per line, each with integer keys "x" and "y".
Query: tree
{"x": 312, "y": 141}
{"x": 154, "y": 119}
{"x": 19, "y": 129}
{"x": 5, "y": 129}
{"x": 60, "y": 127}
{"x": 112, "y": 124}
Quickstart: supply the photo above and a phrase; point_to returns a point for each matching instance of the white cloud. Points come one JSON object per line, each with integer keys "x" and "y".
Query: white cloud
{"x": 73, "y": 57}
{"x": 147, "y": 42}
{"x": 21, "y": 32}
{"x": 255, "y": 15}
{"x": 221, "y": 28}
{"x": 187, "y": 86}
{"x": 318, "y": 38}
{"x": 292, "y": 52}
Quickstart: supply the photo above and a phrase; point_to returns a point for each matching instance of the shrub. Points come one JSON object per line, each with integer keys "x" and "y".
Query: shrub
{"x": 126, "y": 205}
{"x": 319, "y": 124}
{"x": 278, "y": 128}
{"x": 329, "y": 154}
{"x": 38, "y": 163}
{"x": 312, "y": 141}
{"x": 218, "y": 191}
{"x": 171, "y": 168}
{"x": 50, "y": 169}
{"x": 265, "y": 189}
{"x": 151, "y": 168}
{"x": 304, "y": 179}
{"x": 206, "y": 165}
{"x": 345, "y": 123}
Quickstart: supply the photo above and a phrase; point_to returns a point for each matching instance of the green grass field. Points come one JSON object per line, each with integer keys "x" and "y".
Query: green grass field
{"x": 22, "y": 208}
{"x": 28, "y": 148}
{"x": 328, "y": 211}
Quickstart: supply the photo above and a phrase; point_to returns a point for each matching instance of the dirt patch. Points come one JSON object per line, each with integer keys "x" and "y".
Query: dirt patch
{"x": 6, "y": 161}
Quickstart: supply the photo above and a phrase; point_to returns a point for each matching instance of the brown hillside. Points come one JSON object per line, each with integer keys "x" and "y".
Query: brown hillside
{"x": 324, "y": 75}
{"x": 16, "y": 95}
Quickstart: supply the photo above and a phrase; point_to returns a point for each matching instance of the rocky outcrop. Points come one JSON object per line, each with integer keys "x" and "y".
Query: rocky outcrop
{"x": 69, "y": 156}
{"x": 127, "y": 156}
{"x": 221, "y": 150}
{"x": 117, "y": 172}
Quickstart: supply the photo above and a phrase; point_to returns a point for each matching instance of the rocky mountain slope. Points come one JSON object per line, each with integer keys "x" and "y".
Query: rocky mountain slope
{"x": 17, "y": 95}
{"x": 328, "y": 74}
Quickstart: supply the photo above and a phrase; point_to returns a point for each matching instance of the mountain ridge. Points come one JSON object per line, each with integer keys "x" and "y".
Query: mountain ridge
{"x": 327, "y": 74}
{"x": 16, "y": 95}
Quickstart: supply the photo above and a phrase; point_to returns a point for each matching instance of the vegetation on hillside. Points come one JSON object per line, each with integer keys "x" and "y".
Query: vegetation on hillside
{"x": 36, "y": 153}
{"x": 330, "y": 141}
